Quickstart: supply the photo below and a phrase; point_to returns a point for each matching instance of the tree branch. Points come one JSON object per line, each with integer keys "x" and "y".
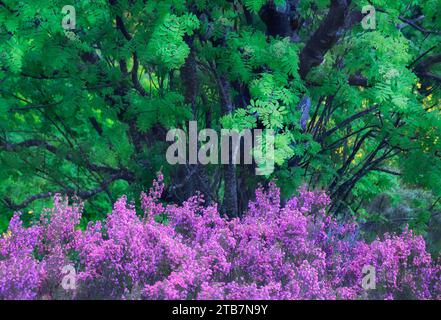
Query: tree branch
{"x": 280, "y": 20}
{"x": 49, "y": 147}
{"x": 324, "y": 37}
{"x": 387, "y": 171}
{"x": 69, "y": 192}
{"x": 422, "y": 68}
{"x": 413, "y": 24}
{"x": 347, "y": 121}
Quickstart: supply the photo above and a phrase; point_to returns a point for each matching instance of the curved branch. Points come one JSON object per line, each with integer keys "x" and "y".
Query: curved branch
{"x": 348, "y": 121}
{"x": 52, "y": 149}
{"x": 324, "y": 38}
{"x": 135, "y": 78}
{"x": 86, "y": 194}
{"x": 385, "y": 170}
{"x": 413, "y": 24}
{"x": 422, "y": 68}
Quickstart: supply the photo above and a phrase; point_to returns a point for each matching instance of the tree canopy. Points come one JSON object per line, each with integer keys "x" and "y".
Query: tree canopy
{"x": 85, "y": 111}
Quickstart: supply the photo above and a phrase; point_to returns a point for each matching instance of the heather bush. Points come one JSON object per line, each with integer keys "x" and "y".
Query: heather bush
{"x": 294, "y": 251}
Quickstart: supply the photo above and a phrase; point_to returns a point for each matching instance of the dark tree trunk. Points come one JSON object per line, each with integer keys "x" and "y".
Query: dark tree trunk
{"x": 230, "y": 203}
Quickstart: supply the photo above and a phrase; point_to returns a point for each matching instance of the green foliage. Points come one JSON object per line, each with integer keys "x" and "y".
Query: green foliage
{"x": 86, "y": 111}
{"x": 399, "y": 208}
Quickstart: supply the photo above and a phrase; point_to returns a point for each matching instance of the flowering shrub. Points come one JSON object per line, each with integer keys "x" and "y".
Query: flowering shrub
{"x": 293, "y": 251}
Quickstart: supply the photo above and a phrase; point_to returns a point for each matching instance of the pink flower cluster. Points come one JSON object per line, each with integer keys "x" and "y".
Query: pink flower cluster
{"x": 295, "y": 251}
